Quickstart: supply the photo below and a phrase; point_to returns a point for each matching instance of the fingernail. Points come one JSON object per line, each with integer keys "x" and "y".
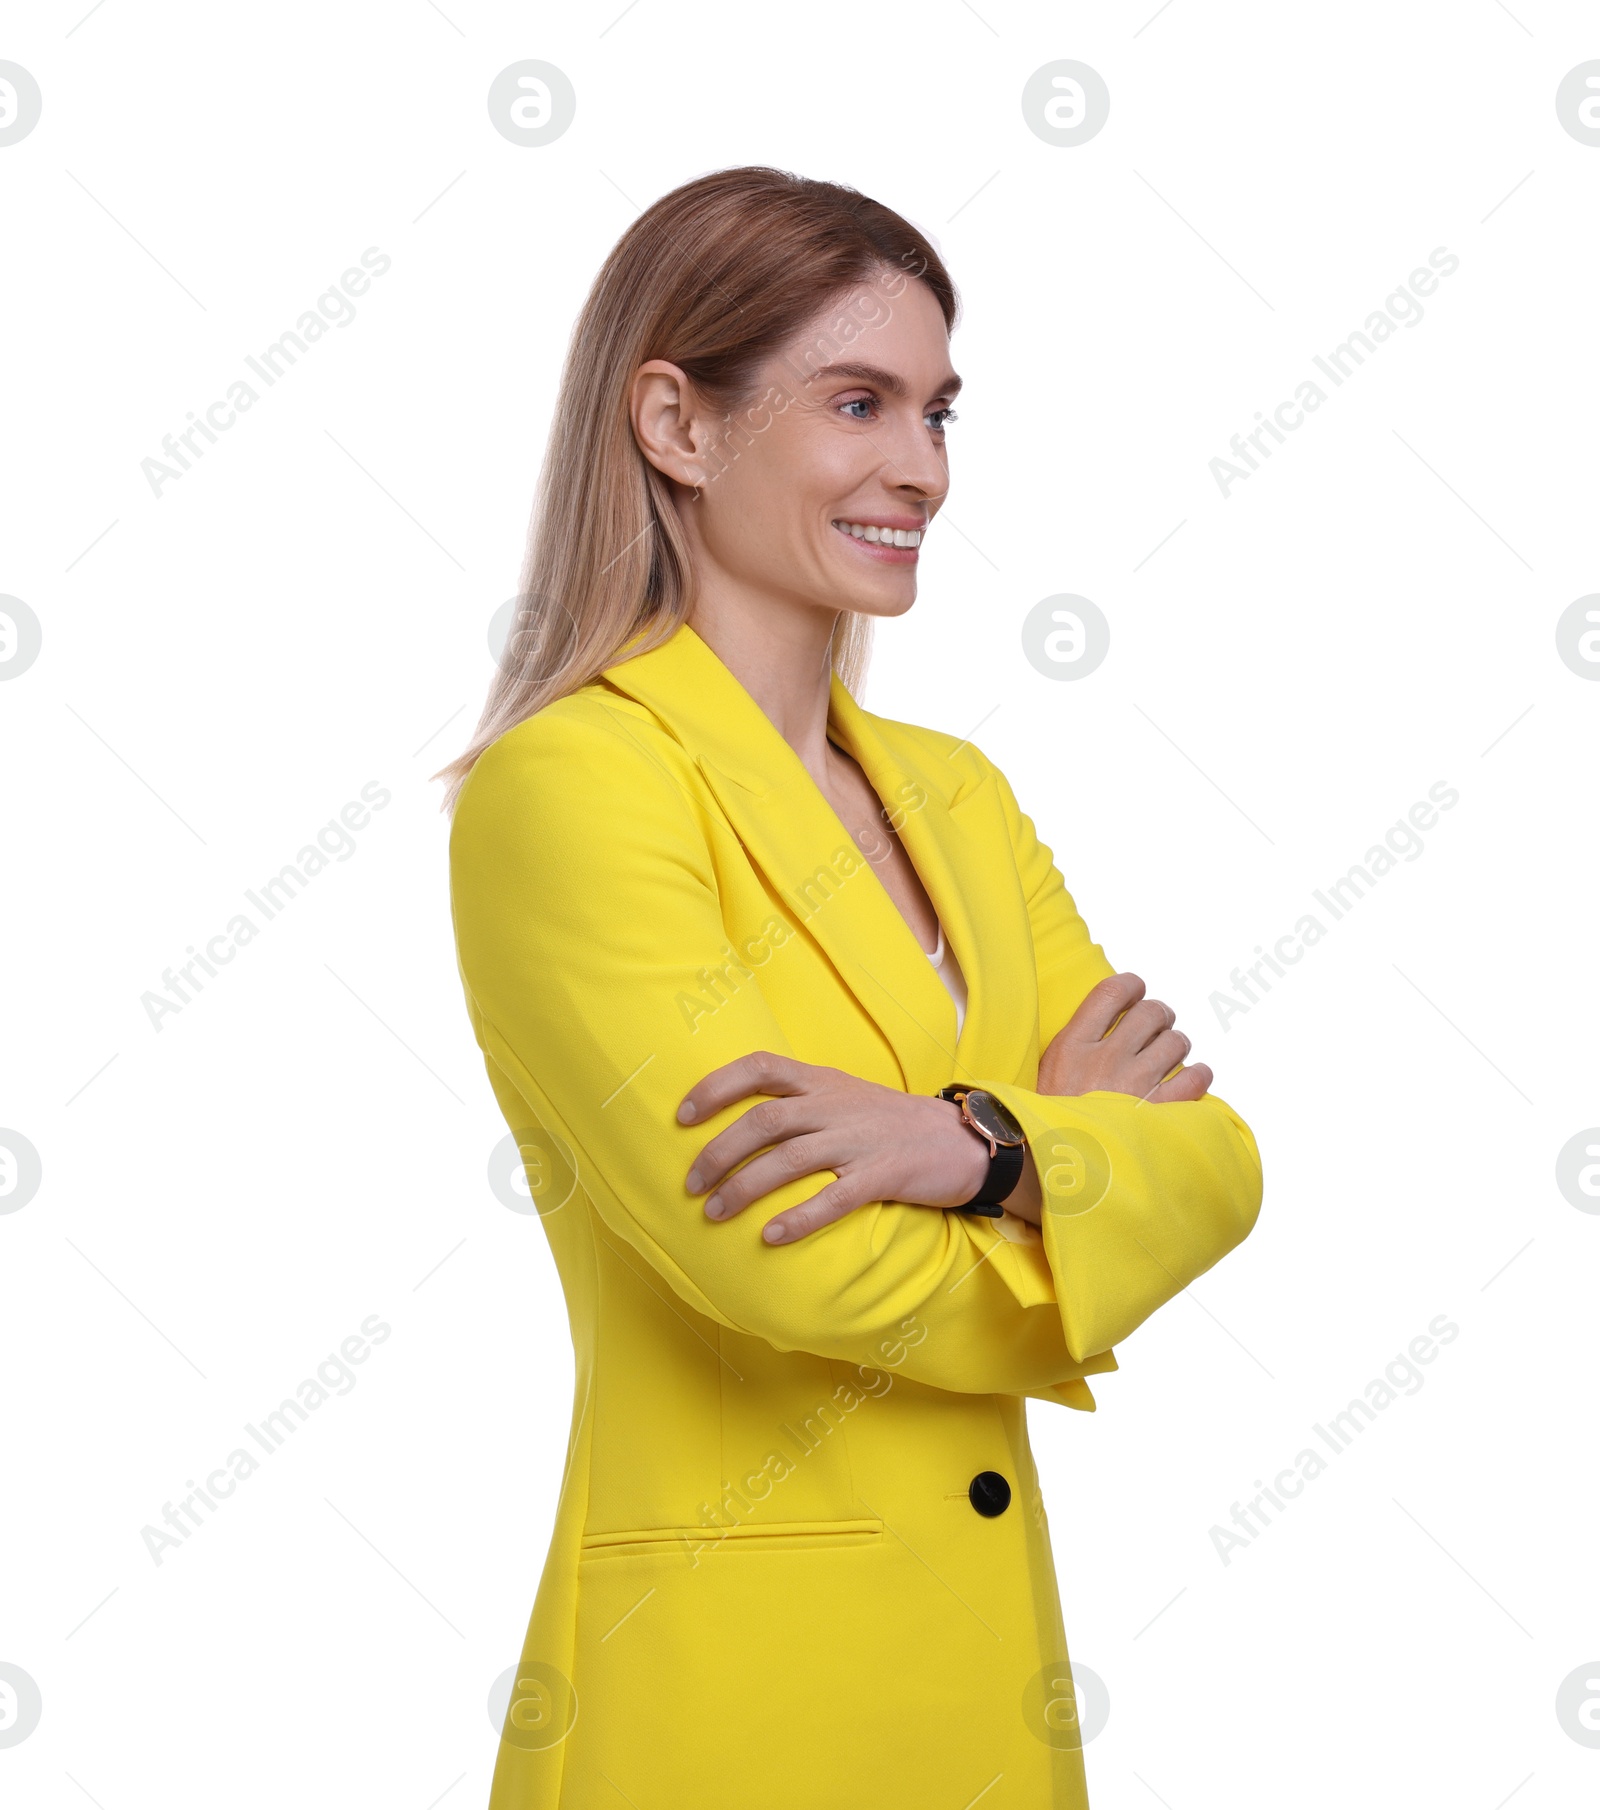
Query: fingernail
{"x": 692, "y": 1181}
{"x": 714, "y": 1207}
{"x": 686, "y": 1112}
{"x": 774, "y": 1233}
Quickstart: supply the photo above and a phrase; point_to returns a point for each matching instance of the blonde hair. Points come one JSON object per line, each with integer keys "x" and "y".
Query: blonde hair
{"x": 715, "y": 277}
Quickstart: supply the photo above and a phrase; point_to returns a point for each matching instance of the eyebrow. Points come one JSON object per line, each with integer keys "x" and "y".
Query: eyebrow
{"x": 883, "y": 380}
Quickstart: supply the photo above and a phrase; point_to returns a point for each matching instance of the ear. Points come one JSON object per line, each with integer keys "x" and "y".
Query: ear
{"x": 665, "y": 413}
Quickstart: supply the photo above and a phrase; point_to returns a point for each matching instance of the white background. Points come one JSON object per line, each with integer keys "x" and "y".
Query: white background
{"x": 306, "y": 610}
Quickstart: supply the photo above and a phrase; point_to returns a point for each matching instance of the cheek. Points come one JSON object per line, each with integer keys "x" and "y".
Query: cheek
{"x": 755, "y": 524}
{"x": 779, "y": 493}
{"x": 817, "y": 458}
{"x": 752, "y": 506}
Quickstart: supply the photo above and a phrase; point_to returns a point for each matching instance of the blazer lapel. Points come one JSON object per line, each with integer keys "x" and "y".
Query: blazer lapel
{"x": 794, "y": 836}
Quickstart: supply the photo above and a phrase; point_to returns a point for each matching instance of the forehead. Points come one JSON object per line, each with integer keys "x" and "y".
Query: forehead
{"x": 889, "y": 333}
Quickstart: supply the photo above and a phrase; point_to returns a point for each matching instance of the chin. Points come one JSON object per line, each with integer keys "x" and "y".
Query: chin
{"x": 891, "y": 595}
{"x": 883, "y": 606}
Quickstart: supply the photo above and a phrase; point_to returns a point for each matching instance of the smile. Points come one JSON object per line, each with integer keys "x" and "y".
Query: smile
{"x": 888, "y": 537}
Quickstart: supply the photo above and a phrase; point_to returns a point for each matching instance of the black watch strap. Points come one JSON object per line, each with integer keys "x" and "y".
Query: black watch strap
{"x": 1005, "y": 1169}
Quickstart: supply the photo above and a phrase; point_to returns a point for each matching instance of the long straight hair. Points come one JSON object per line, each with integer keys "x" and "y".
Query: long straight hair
{"x": 715, "y": 277}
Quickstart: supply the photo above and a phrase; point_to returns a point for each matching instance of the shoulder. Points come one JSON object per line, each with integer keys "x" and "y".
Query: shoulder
{"x": 594, "y": 739}
{"x": 587, "y": 765}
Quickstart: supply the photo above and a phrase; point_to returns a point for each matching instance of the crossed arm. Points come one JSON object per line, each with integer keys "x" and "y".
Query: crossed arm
{"x": 882, "y": 1144}
{"x": 570, "y": 940}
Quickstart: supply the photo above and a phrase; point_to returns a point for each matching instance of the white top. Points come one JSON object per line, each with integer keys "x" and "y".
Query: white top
{"x": 944, "y": 959}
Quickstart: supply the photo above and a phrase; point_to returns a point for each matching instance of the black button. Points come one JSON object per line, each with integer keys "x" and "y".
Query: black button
{"x": 989, "y": 1493}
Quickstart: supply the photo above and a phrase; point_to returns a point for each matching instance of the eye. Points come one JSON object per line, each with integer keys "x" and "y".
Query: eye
{"x": 861, "y": 402}
{"x": 939, "y": 417}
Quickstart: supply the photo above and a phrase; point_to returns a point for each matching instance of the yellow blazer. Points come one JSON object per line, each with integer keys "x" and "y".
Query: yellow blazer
{"x": 772, "y": 1581}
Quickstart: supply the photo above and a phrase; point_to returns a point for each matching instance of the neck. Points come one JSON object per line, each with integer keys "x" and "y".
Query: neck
{"x": 783, "y": 658}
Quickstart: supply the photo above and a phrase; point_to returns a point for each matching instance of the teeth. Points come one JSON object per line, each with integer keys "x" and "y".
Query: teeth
{"x": 889, "y": 537}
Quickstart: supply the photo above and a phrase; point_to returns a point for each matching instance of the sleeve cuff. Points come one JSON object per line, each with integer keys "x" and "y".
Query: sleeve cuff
{"x": 1137, "y": 1200}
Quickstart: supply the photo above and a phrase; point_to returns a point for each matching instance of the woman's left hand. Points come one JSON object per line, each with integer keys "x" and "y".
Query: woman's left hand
{"x": 882, "y": 1144}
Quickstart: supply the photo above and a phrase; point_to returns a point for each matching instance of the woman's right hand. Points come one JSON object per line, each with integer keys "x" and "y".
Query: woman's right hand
{"x": 1120, "y": 1042}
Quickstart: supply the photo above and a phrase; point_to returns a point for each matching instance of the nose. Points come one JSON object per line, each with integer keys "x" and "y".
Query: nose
{"x": 915, "y": 464}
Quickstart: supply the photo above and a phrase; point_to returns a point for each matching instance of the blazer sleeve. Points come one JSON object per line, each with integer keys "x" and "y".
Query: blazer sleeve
{"x": 585, "y": 906}
{"x": 1138, "y": 1198}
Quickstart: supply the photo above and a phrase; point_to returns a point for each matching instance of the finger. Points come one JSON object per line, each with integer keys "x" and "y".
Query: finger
{"x": 769, "y": 1122}
{"x": 1188, "y": 1084}
{"x": 795, "y": 1156}
{"x": 761, "y": 1072}
{"x": 1140, "y": 1025}
{"x": 829, "y": 1204}
{"x": 1156, "y": 1059}
{"x": 1103, "y": 1004}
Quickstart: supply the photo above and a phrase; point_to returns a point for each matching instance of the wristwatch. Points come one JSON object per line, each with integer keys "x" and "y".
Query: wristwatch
{"x": 997, "y": 1125}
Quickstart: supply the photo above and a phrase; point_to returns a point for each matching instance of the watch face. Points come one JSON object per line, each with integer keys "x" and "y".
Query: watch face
{"x": 994, "y": 1118}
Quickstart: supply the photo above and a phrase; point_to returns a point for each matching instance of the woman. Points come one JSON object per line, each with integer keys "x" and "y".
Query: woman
{"x": 725, "y": 936}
